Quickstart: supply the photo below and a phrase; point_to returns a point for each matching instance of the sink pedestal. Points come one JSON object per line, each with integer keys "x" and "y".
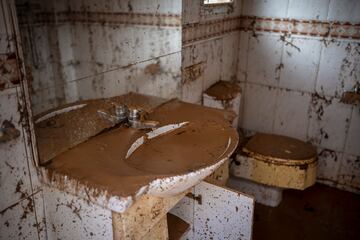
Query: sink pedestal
{"x": 146, "y": 219}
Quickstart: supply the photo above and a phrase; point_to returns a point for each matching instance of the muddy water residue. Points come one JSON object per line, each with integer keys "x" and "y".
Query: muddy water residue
{"x": 100, "y": 161}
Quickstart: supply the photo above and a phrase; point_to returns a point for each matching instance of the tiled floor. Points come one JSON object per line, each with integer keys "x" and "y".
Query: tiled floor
{"x": 320, "y": 212}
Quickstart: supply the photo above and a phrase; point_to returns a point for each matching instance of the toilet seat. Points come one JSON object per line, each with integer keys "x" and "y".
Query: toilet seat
{"x": 280, "y": 150}
{"x": 277, "y": 161}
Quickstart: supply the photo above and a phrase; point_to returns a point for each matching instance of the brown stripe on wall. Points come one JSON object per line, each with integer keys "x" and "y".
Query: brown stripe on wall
{"x": 165, "y": 20}
{"x": 209, "y": 29}
{"x": 313, "y": 28}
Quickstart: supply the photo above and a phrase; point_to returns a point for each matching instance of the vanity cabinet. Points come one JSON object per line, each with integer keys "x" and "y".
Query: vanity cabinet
{"x": 212, "y": 212}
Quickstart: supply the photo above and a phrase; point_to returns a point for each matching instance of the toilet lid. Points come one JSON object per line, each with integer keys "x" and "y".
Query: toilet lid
{"x": 279, "y": 147}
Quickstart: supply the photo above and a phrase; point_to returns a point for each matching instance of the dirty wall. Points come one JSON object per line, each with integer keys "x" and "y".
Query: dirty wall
{"x": 296, "y": 58}
{"x": 79, "y": 50}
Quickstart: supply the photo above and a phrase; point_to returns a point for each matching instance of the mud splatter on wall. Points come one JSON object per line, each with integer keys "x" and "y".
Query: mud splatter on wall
{"x": 83, "y": 49}
{"x": 20, "y": 199}
{"x": 210, "y": 43}
{"x": 292, "y": 80}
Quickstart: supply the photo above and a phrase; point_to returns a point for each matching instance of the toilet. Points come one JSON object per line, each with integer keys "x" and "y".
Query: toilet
{"x": 267, "y": 163}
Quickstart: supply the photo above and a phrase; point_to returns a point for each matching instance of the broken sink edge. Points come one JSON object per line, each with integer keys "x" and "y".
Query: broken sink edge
{"x": 161, "y": 187}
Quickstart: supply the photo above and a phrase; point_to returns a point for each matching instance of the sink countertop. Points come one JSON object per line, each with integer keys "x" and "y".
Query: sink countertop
{"x": 97, "y": 168}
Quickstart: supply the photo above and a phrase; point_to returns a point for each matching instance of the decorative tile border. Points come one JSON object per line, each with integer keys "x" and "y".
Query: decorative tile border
{"x": 164, "y": 20}
{"x": 301, "y": 27}
{"x": 209, "y": 29}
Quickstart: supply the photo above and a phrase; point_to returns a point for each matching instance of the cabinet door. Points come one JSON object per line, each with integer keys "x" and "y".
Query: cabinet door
{"x": 215, "y": 212}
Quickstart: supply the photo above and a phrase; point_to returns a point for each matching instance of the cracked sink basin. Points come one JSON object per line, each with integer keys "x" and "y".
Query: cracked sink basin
{"x": 117, "y": 166}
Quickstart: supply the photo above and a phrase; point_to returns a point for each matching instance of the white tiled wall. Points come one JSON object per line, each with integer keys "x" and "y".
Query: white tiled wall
{"x": 293, "y": 84}
{"x": 20, "y": 213}
{"x": 217, "y": 55}
{"x": 78, "y": 60}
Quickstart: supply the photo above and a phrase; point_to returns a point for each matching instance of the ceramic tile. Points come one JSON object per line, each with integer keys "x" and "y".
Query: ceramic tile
{"x": 190, "y": 11}
{"x": 301, "y": 62}
{"x": 339, "y": 62}
{"x": 308, "y": 9}
{"x": 69, "y": 217}
{"x": 291, "y": 115}
{"x": 229, "y": 56}
{"x": 344, "y": 10}
{"x": 329, "y": 122}
{"x": 259, "y": 107}
{"x": 264, "y": 59}
{"x": 18, "y": 221}
{"x": 353, "y": 137}
{"x": 243, "y": 56}
{"x": 163, "y": 83}
{"x": 40, "y": 215}
{"x": 328, "y": 166}
{"x": 349, "y": 174}
{"x": 265, "y": 8}
{"x": 14, "y": 172}
{"x": 212, "y": 67}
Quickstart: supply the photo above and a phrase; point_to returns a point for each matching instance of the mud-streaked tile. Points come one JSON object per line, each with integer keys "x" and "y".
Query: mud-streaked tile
{"x": 18, "y": 221}
{"x": 229, "y": 56}
{"x": 291, "y": 115}
{"x": 265, "y": 8}
{"x": 329, "y": 162}
{"x": 243, "y": 56}
{"x": 353, "y": 136}
{"x": 264, "y": 59}
{"x": 329, "y": 122}
{"x": 14, "y": 172}
{"x": 308, "y": 9}
{"x": 349, "y": 174}
{"x": 69, "y": 217}
{"x": 300, "y": 64}
{"x": 338, "y": 68}
{"x": 344, "y": 10}
{"x": 259, "y": 107}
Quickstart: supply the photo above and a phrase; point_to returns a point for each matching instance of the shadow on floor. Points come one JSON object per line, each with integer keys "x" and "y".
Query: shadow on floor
{"x": 319, "y": 212}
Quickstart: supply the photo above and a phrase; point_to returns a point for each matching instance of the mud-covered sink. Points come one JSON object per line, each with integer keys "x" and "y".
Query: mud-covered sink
{"x": 184, "y": 153}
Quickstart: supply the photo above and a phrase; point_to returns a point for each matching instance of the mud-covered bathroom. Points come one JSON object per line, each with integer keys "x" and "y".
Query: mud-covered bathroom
{"x": 170, "y": 119}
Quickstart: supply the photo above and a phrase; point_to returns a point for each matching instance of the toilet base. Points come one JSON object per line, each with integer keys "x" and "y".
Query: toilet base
{"x": 266, "y": 195}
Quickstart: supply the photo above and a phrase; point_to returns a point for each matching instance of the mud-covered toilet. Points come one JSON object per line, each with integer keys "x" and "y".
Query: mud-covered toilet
{"x": 269, "y": 163}
{"x": 266, "y": 163}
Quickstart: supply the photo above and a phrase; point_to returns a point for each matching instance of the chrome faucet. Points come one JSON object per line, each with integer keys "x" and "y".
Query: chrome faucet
{"x": 132, "y": 115}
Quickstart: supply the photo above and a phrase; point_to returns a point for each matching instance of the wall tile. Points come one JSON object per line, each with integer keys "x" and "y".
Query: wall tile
{"x": 69, "y": 217}
{"x": 265, "y": 8}
{"x": 353, "y": 137}
{"x": 329, "y": 123}
{"x": 301, "y": 61}
{"x": 259, "y": 107}
{"x": 18, "y": 221}
{"x": 163, "y": 83}
{"x": 212, "y": 67}
{"x": 264, "y": 59}
{"x": 344, "y": 10}
{"x": 328, "y": 166}
{"x": 40, "y": 215}
{"x": 291, "y": 115}
{"x": 190, "y": 11}
{"x": 229, "y": 56}
{"x": 14, "y": 173}
{"x": 308, "y": 9}
{"x": 338, "y": 68}
{"x": 243, "y": 56}
{"x": 349, "y": 174}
